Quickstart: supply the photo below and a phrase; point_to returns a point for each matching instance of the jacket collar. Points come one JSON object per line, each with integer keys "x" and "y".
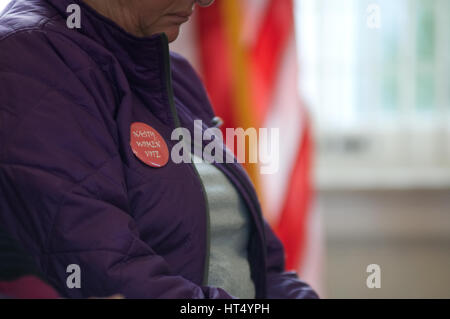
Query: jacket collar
{"x": 142, "y": 59}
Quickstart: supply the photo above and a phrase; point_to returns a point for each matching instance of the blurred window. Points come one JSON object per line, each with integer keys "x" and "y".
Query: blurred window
{"x": 375, "y": 75}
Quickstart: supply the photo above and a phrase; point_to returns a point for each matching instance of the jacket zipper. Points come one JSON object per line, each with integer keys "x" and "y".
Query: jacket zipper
{"x": 168, "y": 77}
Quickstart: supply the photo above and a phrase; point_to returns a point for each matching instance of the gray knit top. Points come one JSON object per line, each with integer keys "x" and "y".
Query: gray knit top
{"x": 229, "y": 230}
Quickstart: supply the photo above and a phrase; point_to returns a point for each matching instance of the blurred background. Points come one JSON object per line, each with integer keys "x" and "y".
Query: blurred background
{"x": 376, "y": 78}
{"x": 379, "y": 92}
{"x": 367, "y": 131}
{"x": 360, "y": 91}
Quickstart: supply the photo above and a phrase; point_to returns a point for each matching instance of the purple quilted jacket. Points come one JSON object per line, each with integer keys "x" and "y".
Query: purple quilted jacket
{"x": 71, "y": 189}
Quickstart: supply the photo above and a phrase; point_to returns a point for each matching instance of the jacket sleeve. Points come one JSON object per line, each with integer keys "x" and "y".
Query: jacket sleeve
{"x": 282, "y": 284}
{"x": 63, "y": 195}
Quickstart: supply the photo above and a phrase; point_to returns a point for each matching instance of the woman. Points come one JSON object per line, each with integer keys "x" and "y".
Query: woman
{"x": 79, "y": 108}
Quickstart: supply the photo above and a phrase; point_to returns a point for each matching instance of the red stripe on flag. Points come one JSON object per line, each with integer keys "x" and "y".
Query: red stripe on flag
{"x": 215, "y": 60}
{"x": 266, "y": 56}
{"x": 291, "y": 228}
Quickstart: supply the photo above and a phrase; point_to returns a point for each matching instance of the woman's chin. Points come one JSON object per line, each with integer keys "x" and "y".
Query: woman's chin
{"x": 172, "y": 33}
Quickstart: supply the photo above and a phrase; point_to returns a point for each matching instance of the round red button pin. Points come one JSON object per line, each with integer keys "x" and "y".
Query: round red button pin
{"x": 148, "y": 145}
